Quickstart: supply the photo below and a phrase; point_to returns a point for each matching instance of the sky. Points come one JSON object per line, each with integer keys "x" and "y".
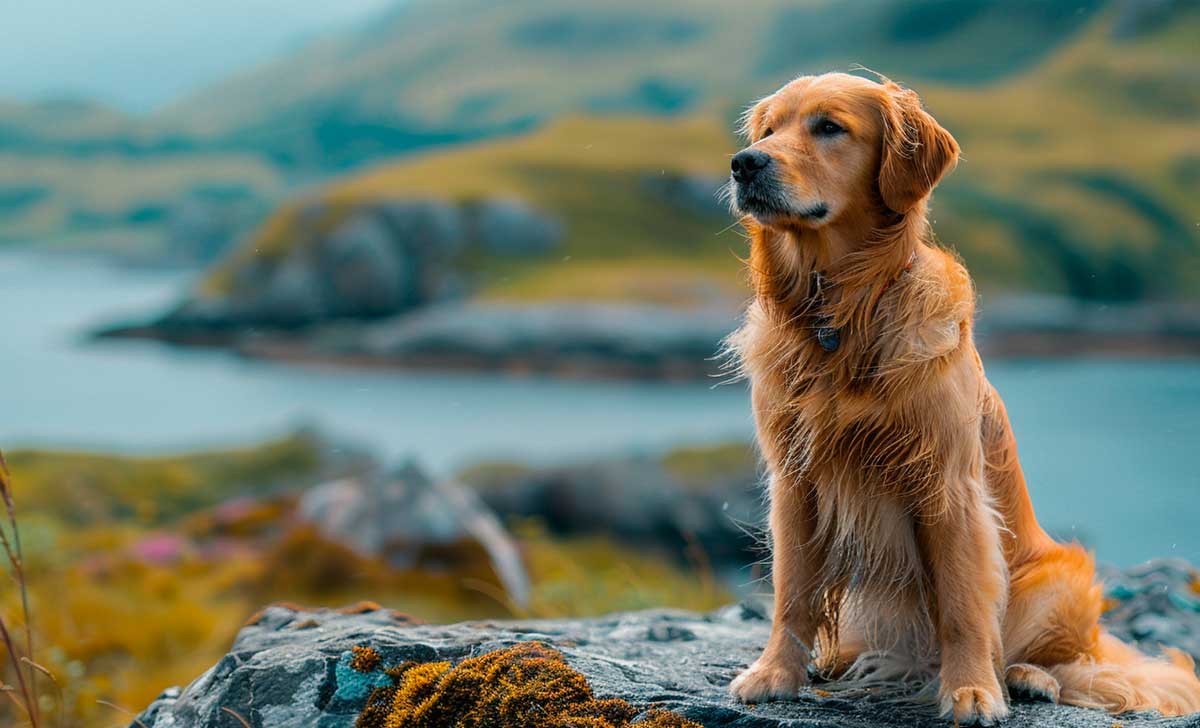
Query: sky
{"x": 138, "y": 55}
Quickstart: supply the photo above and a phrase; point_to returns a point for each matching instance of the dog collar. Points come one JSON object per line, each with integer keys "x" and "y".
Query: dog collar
{"x": 829, "y": 337}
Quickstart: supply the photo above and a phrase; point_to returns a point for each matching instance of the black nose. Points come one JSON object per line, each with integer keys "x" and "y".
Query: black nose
{"x": 748, "y": 163}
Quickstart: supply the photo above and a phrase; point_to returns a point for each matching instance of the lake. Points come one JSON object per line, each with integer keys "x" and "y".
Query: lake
{"x": 1111, "y": 447}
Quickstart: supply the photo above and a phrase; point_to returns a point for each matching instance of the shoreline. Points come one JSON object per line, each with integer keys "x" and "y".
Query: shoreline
{"x": 648, "y": 343}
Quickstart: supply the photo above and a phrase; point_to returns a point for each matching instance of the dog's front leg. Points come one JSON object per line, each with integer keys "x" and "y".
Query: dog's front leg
{"x": 783, "y": 667}
{"x": 962, "y": 552}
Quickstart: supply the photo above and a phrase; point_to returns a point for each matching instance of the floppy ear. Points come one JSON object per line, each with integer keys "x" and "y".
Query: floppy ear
{"x": 917, "y": 151}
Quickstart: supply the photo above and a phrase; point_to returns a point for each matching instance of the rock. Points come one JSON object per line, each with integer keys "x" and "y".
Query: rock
{"x": 364, "y": 271}
{"x": 295, "y": 669}
{"x": 1154, "y": 604}
{"x": 317, "y": 263}
{"x": 292, "y": 295}
{"x": 400, "y": 515}
{"x": 596, "y": 339}
{"x": 639, "y": 502}
{"x": 511, "y": 227}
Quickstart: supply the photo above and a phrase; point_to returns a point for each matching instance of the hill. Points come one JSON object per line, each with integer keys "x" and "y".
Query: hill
{"x": 1079, "y": 172}
{"x": 74, "y": 173}
{"x": 634, "y": 196}
{"x": 434, "y": 72}
{"x": 1079, "y": 176}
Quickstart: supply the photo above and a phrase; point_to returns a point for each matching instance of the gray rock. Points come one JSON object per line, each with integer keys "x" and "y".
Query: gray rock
{"x": 291, "y": 669}
{"x": 1157, "y": 603}
{"x": 292, "y": 295}
{"x": 365, "y": 271}
{"x": 573, "y": 338}
{"x": 511, "y": 227}
{"x": 399, "y": 515}
{"x": 638, "y": 501}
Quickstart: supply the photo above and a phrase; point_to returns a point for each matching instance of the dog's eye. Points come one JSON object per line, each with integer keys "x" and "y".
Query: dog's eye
{"x": 828, "y": 128}
{"x": 767, "y": 132}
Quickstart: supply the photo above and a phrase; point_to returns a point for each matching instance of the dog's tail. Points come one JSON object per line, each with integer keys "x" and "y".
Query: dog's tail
{"x": 1118, "y": 678}
{"x": 1053, "y": 620}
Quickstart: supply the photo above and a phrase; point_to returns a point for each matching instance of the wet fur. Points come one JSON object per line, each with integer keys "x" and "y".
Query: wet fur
{"x": 903, "y": 537}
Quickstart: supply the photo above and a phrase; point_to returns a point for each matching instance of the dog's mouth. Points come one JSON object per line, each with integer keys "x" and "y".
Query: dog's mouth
{"x": 767, "y": 203}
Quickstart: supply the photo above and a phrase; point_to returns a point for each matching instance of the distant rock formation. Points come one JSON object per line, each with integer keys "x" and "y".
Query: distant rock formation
{"x": 399, "y": 515}
{"x": 337, "y": 669}
{"x": 375, "y": 259}
{"x": 640, "y": 502}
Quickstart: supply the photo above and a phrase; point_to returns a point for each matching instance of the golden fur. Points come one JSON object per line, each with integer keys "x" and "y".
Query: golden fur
{"x": 901, "y": 527}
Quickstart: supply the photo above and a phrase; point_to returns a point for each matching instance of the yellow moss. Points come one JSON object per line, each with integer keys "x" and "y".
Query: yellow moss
{"x": 365, "y": 659}
{"x": 528, "y": 685}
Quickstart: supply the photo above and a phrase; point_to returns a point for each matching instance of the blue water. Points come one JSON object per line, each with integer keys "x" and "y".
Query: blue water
{"x": 1111, "y": 448}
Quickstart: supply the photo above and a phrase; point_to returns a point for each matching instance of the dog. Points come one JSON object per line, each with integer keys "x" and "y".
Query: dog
{"x": 902, "y": 533}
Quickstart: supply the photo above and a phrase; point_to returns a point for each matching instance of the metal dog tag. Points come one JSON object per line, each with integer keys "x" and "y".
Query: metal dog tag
{"x": 829, "y": 338}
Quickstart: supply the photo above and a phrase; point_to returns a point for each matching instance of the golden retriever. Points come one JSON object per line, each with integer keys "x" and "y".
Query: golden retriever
{"x": 902, "y": 531}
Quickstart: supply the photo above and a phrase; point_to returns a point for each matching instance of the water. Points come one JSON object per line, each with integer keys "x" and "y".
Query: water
{"x": 1111, "y": 448}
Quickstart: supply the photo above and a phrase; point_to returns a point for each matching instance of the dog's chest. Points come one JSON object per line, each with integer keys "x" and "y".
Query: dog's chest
{"x": 870, "y": 542}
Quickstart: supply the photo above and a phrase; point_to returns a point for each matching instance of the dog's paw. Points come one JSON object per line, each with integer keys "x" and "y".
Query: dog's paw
{"x": 771, "y": 680}
{"x": 1032, "y": 681}
{"x": 973, "y": 705}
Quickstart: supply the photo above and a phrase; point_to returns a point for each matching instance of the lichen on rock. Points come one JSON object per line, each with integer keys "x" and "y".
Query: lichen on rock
{"x": 364, "y": 667}
{"x": 528, "y": 685}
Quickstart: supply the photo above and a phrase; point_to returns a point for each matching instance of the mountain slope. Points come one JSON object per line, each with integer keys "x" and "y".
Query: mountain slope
{"x": 635, "y": 198}
{"x": 1076, "y": 117}
{"x": 432, "y": 72}
{"x": 1079, "y": 176}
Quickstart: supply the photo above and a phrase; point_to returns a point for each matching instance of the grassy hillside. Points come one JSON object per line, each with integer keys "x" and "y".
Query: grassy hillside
{"x": 601, "y": 176}
{"x": 1080, "y": 175}
{"x": 434, "y": 71}
{"x": 85, "y": 175}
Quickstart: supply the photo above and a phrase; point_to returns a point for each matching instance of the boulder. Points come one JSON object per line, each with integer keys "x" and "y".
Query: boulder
{"x": 292, "y": 296}
{"x": 401, "y": 515}
{"x": 308, "y": 668}
{"x": 638, "y": 501}
{"x": 507, "y": 227}
{"x": 366, "y": 260}
{"x": 365, "y": 271}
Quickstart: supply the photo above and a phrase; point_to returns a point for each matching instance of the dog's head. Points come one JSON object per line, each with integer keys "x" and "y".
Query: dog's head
{"x": 825, "y": 146}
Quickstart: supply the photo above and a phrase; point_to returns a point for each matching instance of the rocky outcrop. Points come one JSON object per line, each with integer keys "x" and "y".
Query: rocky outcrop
{"x": 297, "y": 668}
{"x": 321, "y": 261}
{"x": 577, "y": 339}
{"x": 400, "y": 515}
{"x": 641, "y": 502}
{"x": 582, "y": 339}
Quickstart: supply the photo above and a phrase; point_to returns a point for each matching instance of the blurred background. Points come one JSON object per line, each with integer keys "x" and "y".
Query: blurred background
{"x": 418, "y": 301}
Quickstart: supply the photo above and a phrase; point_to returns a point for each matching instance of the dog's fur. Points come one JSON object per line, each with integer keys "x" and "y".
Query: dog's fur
{"x": 901, "y": 529}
